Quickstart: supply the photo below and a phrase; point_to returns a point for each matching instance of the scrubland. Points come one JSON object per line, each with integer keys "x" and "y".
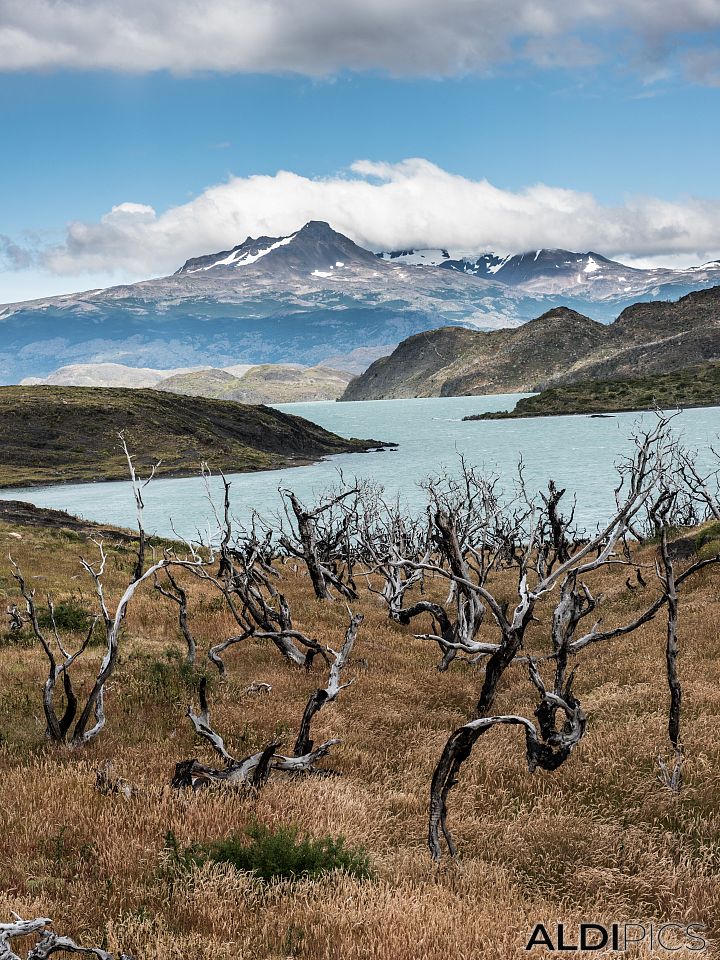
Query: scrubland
{"x": 598, "y": 840}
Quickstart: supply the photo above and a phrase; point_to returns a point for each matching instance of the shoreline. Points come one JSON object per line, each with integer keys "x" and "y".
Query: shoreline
{"x": 182, "y": 474}
{"x": 609, "y": 412}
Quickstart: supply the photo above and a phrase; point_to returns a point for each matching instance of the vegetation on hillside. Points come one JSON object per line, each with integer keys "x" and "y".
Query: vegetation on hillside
{"x": 60, "y": 434}
{"x": 697, "y": 386}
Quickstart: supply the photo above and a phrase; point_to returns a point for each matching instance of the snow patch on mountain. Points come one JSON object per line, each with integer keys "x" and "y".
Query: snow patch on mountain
{"x": 418, "y": 258}
{"x": 239, "y": 258}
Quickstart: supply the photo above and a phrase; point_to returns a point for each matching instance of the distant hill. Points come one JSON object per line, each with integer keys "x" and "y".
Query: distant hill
{"x": 561, "y": 346}
{"x": 267, "y": 383}
{"x": 246, "y": 383}
{"x": 104, "y": 375}
{"x": 62, "y": 434}
{"x": 697, "y": 386}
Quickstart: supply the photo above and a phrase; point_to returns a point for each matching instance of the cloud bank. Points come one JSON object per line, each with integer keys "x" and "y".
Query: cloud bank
{"x": 413, "y": 203}
{"x": 323, "y": 37}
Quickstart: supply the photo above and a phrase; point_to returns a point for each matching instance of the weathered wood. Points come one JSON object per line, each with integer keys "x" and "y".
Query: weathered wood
{"x": 322, "y": 696}
{"x": 178, "y": 595}
{"x": 250, "y": 772}
{"x": 48, "y": 944}
{"x": 106, "y": 783}
{"x": 304, "y": 543}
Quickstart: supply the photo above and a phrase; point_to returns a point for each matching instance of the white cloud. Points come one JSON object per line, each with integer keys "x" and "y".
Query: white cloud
{"x": 387, "y": 206}
{"x": 321, "y": 37}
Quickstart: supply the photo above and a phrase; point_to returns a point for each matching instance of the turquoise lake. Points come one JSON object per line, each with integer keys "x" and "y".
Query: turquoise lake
{"x": 579, "y": 452}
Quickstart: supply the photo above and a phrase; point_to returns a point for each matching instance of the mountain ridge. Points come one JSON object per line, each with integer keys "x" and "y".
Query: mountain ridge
{"x": 557, "y": 270}
{"x": 308, "y": 297}
{"x": 561, "y": 346}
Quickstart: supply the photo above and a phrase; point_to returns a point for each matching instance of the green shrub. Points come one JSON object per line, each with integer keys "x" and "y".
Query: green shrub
{"x": 70, "y": 615}
{"x": 707, "y": 542}
{"x": 284, "y": 854}
{"x": 17, "y": 638}
{"x": 173, "y": 672}
{"x": 280, "y": 854}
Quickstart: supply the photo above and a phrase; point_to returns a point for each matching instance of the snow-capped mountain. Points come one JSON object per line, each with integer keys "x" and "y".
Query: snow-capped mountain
{"x": 312, "y": 295}
{"x": 415, "y": 258}
{"x": 314, "y": 251}
{"x": 563, "y": 272}
{"x": 303, "y": 298}
{"x": 485, "y": 265}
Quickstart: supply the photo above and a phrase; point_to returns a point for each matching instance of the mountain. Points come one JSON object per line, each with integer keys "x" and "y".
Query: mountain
{"x": 561, "y": 346}
{"x": 268, "y": 383}
{"x": 63, "y": 434}
{"x": 314, "y": 251}
{"x": 312, "y": 297}
{"x": 301, "y": 298}
{"x": 565, "y": 273}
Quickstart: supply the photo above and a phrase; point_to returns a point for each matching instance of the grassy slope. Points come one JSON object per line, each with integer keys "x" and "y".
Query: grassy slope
{"x": 58, "y": 434}
{"x": 598, "y": 839}
{"x": 693, "y": 387}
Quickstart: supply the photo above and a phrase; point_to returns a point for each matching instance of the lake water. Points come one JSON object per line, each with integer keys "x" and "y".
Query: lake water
{"x": 577, "y": 451}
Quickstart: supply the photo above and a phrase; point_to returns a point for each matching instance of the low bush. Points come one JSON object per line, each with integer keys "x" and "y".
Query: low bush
{"x": 278, "y": 854}
{"x": 70, "y": 614}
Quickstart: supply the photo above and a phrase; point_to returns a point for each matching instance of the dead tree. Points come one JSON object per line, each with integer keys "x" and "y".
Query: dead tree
{"x": 322, "y": 696}
{"x": 705, "y": 487}
{"x": 48, "y": 944}
{"x": 541, "y": 570}
{"x": 59, "y": 663}
{"x": 175, "y": 592}
{"x": 321, "y": 537}
{"x": 668, "y": 511}
{"x": 672, "y": 777}
{"x": 248, "y": 582}
{"x": 79, "y": 725}
{"x": 471, "y": 534}
{"x": 71, "y": 727}
{"x": 387, "y": 537}
{"x": 252, "y": 771}
{"x": 138, "y": 485}
{"x": 456, "y": 633}
{"x": 262, "y": 613}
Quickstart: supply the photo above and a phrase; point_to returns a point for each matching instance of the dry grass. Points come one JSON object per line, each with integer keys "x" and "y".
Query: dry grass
{"x": 599, "y": 840}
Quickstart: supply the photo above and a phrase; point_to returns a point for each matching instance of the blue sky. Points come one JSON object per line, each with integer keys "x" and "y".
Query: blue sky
{"x": 79, "y": 139}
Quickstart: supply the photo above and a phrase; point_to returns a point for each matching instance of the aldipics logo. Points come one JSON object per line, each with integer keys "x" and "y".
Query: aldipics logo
{"x": 618, "y": 937}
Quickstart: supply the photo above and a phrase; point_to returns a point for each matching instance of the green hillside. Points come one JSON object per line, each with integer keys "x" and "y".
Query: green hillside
{"x": 697, "y": 386}
{"x": 60, "y": 434}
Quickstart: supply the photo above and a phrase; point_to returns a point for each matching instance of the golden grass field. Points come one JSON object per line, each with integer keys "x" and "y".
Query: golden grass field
{"x": 598, "y": 840}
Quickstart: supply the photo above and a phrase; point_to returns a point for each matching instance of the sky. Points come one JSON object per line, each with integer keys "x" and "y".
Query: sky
{"x": 136, "y": 134}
